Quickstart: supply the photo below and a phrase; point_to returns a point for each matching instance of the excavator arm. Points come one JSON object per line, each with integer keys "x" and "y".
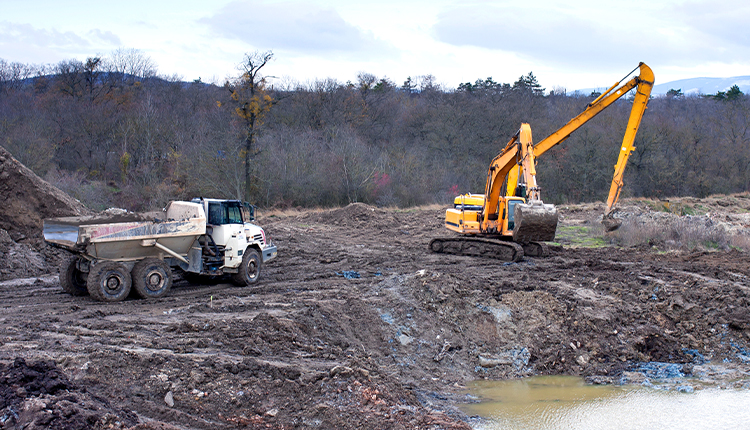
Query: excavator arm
{"x": 642, "y": 95}
{"x": 518, "y": 156}
{"x": 643, "y": 83}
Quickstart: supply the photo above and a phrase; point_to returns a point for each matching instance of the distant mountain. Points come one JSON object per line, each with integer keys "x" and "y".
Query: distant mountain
{"x": 693, "y": 86}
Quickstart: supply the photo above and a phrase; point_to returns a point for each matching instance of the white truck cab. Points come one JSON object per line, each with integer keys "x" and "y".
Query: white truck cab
{"x": 233, "y": 244}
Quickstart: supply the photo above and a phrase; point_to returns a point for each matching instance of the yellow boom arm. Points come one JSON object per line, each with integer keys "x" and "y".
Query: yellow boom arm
{"x": 643, "y": 83}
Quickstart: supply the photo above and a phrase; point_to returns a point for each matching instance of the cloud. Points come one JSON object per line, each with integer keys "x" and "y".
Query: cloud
{"x": 107, "y": 37}
{"x": 296, "y": 27}
{"x": 28, "y": 35}
{"x": 25, "y": 43}
{"x": 566, "y": 37}
{"x": 726, "y": 22}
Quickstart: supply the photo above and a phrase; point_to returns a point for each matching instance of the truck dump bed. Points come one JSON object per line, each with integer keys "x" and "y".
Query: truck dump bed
{"x": 128, "y": 236}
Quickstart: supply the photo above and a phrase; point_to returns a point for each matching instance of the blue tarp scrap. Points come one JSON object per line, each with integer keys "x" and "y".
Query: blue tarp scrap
{"x": 349, "y": 274}
{"x": 658, "y": 370}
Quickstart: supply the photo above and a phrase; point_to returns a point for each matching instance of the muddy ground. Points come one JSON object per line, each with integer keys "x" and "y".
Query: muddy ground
{"x": 357, "y": 325}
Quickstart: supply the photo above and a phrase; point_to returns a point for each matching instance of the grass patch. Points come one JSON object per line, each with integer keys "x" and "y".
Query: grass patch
{"x": 581, "y": 236}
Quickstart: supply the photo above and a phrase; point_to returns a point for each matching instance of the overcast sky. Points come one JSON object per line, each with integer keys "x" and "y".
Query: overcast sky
{"x": 572, "y": 45}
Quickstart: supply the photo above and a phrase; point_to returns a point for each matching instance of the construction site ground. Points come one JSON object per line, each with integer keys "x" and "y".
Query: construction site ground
{"x": 356, "y": 324}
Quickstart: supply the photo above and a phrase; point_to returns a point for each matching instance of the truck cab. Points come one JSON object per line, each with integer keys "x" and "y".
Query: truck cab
{"x": 232, "y": 243}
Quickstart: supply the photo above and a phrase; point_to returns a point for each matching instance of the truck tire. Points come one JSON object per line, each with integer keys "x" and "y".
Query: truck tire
{"x": 72, "y": 280}
{"x": 249, "y": 270}
{"x": 109, "y": 282}
{"x": 152, "y": 278}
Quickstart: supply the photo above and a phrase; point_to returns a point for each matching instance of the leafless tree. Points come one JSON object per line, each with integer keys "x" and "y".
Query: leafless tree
{"x": 130, "y": 65}
{"x": 253, "y": 102}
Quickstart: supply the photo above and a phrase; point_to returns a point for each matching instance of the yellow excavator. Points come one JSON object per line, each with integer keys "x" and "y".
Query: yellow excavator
{"x": 510, "y": 220}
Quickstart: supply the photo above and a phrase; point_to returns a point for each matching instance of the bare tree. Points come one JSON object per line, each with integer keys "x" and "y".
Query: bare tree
{"x": 131, "y": 64}
{"x": 13, "y": 75}
{"x": 253, "y": 102}
{"x": 69, "y": 77}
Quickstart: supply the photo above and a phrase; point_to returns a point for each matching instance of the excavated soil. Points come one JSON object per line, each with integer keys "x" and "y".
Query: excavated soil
{"x": 26, "y": 200}
{"x": 357, "y": 325}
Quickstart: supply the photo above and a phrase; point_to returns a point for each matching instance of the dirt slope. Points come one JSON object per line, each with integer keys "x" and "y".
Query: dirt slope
{"x": 25, "y": 200}
{"x": 357, "y": 325}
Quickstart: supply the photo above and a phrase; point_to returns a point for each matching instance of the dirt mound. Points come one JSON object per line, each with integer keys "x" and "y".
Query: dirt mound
{"x": 19, "y": 260}
{"x": 40, "y": 396}
{"x": 26, "y": 199}
{"x": 393, "y": 346}
{"x": 355, "y": 215}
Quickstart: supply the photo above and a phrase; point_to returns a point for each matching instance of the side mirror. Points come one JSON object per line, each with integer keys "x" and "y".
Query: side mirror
{"x": 248, "y": 211}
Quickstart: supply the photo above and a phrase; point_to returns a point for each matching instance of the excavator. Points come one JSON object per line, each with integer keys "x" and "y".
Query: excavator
{"x": 510, "y": 219}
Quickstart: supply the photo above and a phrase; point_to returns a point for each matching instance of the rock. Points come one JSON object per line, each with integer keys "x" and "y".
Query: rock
{"x": 518, "y": 358}
{"x": 599, "y": 380}
{"x": 405, "y": 340}
{"x": 341, "y": 370}
{"x": 169, "y": 399}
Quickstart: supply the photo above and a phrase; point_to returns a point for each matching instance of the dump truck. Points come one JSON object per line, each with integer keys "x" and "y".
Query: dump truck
{"x": 116, "y": 251}
{"x": 510, "y": 219}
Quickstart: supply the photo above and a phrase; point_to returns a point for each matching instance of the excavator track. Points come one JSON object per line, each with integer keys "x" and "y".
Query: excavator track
{"x": 478, "y": 247}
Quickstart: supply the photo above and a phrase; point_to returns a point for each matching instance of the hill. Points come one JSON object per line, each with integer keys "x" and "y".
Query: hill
{"x": 695, "y": 86}
{"x": 692, "y": 86}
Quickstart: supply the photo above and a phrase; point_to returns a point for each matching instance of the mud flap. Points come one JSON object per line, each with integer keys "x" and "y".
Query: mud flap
{"x": 534, "y": 222}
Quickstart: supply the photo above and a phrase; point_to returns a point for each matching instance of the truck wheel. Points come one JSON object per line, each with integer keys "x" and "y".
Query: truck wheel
{"x": 109, "y": 282}
{"x": 72, "y": 280}
{"x": 152, "y": 278}
{"x": 249, "y": 269}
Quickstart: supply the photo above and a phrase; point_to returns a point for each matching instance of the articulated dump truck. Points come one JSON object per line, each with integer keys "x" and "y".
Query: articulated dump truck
{"x": 114, "y": 252}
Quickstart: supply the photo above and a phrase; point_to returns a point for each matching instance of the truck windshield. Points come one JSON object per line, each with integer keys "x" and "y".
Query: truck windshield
{"x": 224, "y": 213}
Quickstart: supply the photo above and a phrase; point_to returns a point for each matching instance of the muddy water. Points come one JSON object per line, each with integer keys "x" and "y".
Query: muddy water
{"x": 561, "y": 402}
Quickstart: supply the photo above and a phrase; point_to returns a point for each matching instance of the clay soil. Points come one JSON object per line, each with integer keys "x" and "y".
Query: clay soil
{"x": 357, "y": 325}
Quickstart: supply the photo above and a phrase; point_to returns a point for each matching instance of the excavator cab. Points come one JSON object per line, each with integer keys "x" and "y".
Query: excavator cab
{"x": 467, "y": 214}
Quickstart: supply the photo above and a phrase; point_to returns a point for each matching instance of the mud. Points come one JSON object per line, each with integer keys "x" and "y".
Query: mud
{"x": 357, "y": 325}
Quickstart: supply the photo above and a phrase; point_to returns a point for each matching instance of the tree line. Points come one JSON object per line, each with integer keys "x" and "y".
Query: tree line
{"x": 111, "y": 132}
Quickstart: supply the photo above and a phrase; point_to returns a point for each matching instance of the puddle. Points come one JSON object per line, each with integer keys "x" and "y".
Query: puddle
{"x": 565, "y": 402}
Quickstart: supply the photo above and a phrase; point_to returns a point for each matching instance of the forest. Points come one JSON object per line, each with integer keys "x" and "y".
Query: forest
{"x": 110, "y": 132}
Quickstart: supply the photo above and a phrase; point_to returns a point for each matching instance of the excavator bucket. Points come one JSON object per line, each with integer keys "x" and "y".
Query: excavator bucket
{"x": 611, "y": 223}
{"x": 534, "y": 222}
